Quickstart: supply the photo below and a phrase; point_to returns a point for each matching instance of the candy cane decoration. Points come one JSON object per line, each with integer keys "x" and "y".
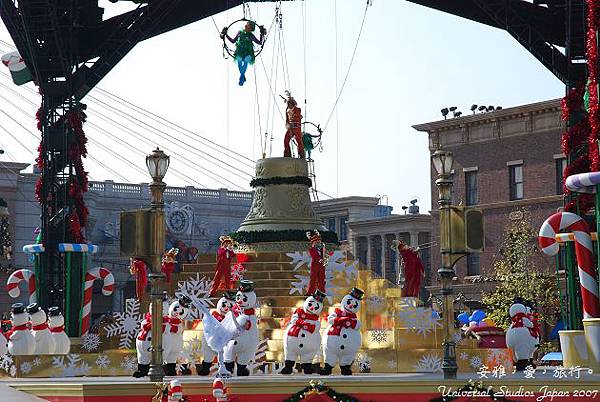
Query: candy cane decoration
{"x": 107, "y": 288}
{"x": 570, "y": 222}
{"x": 583, "y": 182}
{"x": 22, "y": 275}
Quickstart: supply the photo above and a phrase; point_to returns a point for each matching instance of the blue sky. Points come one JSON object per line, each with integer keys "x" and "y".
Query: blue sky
{"x": 411, "y": 62}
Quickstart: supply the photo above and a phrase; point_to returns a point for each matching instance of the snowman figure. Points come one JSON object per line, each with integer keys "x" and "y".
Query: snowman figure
{"x": 523, "y": 335}
{"x": 44, "y": 341}
{"x": 243, "y": 349}
{"x": 219, "y": 390}
{"x": 224, "y": 305}
{"x": 20, "y": 339}
{"x": 342, "y": 339}
{"x": 174, "y": 394}
{"x": 302, "y": 337}
{"x": 143, "y": 340}
{"x": 173, "y": 333}
{"x": 56, "y": 324}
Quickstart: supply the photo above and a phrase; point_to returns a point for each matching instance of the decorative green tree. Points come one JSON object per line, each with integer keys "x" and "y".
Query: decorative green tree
{"x": 517, "y": 276}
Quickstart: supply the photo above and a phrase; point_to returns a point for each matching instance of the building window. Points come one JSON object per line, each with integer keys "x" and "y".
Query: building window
{"x": 561, "y": 164}
{"x": 331, "y": 224}
{"x": 473, "y": 265}
{"x": 344, "y": 228}
{"x": 472, "y": 197}
{"x": 515, "y": 177}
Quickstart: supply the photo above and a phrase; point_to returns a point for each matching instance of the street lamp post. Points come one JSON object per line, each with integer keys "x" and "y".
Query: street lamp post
{"x": 158, "y": 164}
{"x": 442, "y": 162}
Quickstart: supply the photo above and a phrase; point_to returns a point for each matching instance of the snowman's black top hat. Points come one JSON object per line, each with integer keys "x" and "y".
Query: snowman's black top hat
{"x": 18, "y": 308}
{"x": 246, "y": 286}
{"x": 229, "y": 295}
{"x": 319, "y": 296}
{"x": 54, "y": 311}
{"x": 357, "y": 293}
{"x": 33, "y": 308}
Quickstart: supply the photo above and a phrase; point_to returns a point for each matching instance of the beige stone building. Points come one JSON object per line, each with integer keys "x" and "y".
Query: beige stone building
{"x": 368, "y": 228}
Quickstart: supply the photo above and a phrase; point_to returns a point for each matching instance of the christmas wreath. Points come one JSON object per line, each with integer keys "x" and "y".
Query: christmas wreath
{"x": 318, "y": 388}
{"x": 262, "y": 182}
{"x": 264, "y": 236}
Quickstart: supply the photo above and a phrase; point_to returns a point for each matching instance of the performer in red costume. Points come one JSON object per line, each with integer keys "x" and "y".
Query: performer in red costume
{"x": 293, "y": 124}
{"x": 138, "y": 268}
{"x": 413, "y": 270}
{"x": 168, "y": 263}
{"x": 225, "y": 256}
{"x": 318, "y": 255}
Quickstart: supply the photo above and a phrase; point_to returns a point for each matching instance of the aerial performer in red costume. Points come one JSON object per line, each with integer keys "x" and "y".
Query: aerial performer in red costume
{"x": 293, "y": 124}
{"x": 225, "y": 256}
{"x": 318, "y": 256}
{"x": 168, "y": 263}
{"x": 244, "y": 47}
{"x": 413, "y": 270}
{"x": 138, "y": 268}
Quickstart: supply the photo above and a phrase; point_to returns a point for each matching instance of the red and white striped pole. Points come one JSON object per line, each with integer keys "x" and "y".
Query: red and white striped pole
{"x": 588, "y": 276}
{"x": 107, "y": 288}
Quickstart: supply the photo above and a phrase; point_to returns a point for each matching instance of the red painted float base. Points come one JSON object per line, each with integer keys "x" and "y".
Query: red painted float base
{"x": 277, "y": 388}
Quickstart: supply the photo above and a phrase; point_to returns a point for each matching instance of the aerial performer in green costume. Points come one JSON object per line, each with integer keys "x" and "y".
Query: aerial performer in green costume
{"x": 244, "y": 46}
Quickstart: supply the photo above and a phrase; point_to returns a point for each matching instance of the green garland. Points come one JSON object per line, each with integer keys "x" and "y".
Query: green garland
{"x": 317, "y": 387}
{"x": 475, "y": 387}
{"x": 260, "y": 182}
{"x": 264, "y": 236}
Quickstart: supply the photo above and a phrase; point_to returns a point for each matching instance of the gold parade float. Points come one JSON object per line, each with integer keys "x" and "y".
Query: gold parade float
{"x": 399, "y": 334}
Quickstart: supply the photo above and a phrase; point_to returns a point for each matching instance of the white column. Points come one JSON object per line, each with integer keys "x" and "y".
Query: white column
{"x": 369, "y": 252}
{"x": 414, "y": 239}
{"x": 383, "y": 251}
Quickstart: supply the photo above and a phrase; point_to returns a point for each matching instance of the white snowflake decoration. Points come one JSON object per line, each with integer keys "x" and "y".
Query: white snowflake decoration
{"x": 26, "y": 367}
{"x": 392, "y": 364}
{"x": 363, "y": 362}
{"x": 6, "y": 363}
{"x": 457, "y": 337}
{"x": 126, "y": 324}
{"x": 475, "y": 362}
{"x": 463, "y": 356}
{"x": 430, "y": 363}
{"x": 70, "y": 366}
{"x": 129, "y": 363}
{"x": 197, "y": 289}
{"x": 90, "y": 342}
{"x": 37, "y": 361}
{"x": 337, "y": 266}
{"x": 419, "y": 320}
{"x": 102, "y": 361}
{"x": 259, "y": 357}
{"x": 13, "y": 370}
{"x": 379, "y": 336}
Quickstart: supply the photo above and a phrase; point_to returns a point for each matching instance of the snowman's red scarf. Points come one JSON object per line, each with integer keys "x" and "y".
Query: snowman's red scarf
{"x": 219, "y": 317}
{"x": 56, "y": 330}
{"x": 344, "y": 319}
{"x": 301, "y": 322}
{"x": 237, "y": 310}
{"x": 175, "y": 323}
{"x": 40, "y": 327}
{"x": 147, "y": 326}
{"x": 517, "y": 322}
{"x": 22, "y": 327}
